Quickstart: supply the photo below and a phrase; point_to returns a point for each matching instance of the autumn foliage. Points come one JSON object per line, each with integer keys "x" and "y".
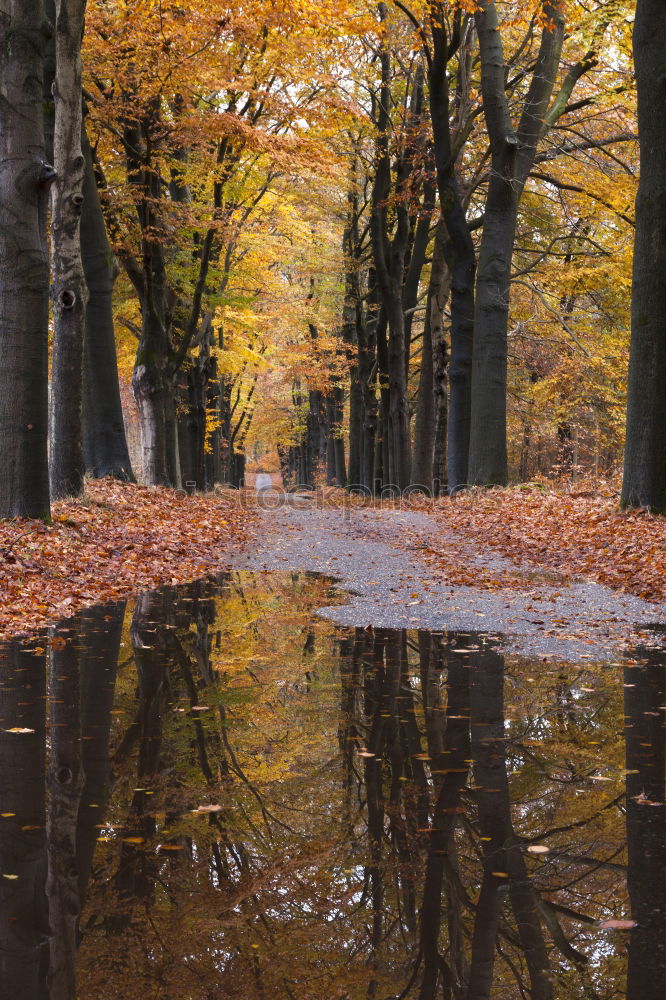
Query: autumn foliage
{"x": 117, "y": 540}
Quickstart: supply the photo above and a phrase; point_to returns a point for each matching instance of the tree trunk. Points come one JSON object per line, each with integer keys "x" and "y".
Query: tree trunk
{"x": 382, "y": 447}
{"x": 645, "y": 452}
{"x": 461, "y": 260}
{"x": 25, "y": 178}
{"x": 149, "y": 385}
{"x": 446, "y": 429}
{"x": 431, "y": 411}
{"x": 105, "y": 450}
{"x": 368, "y": 372}
{"x": 389, "y": 262}
{"x": 69, "y": 292}
{"x": 488, "y": 451}
{"x": 512, "y": 158}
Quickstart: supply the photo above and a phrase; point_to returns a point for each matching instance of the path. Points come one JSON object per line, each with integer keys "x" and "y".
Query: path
{"x": 380, "y": 558}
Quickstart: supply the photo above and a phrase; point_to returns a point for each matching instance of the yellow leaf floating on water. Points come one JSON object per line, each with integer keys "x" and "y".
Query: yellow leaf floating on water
{"x": 9, "y": 876}
{"x": 19, "y": 729}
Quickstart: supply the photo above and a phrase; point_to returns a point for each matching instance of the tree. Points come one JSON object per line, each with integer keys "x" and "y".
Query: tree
{"x": 104, "y": 443}
{"x": 25, "y": 178}
{"x": 69, "y": 291}
{"x": 645, "y": 454}
{"x": 513, "y": 154}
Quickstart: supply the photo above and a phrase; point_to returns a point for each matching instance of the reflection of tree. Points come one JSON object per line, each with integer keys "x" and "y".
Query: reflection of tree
{"x": 101, "y": 630}
{"x": 371, "y": 799}
{"x": 64, "y": 781}
{"x": 81, "y": 684}
{"x": 23, "y": 908}
{"x": 644, "y": 701}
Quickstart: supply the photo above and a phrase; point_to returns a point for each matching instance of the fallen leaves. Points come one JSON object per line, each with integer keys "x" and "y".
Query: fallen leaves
{"x": 584, "y": 535}
{"x": 115, "y": 541}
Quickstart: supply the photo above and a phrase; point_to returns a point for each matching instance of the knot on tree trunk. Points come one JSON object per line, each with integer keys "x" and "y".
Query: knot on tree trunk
{"x": 67, "y": 298}
{"x": 47, "y": 175}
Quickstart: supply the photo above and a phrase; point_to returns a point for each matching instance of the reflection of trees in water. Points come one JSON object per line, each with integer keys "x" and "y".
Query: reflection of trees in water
{"x": 491, "y": 917}
{"x": 644, "y": 701}
{"x": 377, "y": 794}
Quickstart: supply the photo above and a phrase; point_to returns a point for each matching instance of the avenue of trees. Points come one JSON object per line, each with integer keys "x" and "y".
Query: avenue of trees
{"x": 391, "y": 241}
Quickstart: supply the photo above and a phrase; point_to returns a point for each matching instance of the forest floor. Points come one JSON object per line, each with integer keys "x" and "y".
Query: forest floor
{"x": 117, "y": 540}
{"x": 564, "y": 574}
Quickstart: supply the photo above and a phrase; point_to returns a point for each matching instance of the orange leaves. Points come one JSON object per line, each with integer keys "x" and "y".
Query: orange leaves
{"x": 580, "y": 535}
{"x": 119, "y": 539}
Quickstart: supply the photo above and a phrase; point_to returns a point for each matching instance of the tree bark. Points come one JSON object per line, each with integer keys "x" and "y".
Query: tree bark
{"x": 645, "y": 452}
{"x": 69, "y": 292}
{"x": 444, "y": 436}
{"x": 25, "y": 178}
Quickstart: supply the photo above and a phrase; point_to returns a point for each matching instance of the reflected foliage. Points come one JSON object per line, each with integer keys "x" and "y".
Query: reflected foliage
{"x": 215, "y": 793}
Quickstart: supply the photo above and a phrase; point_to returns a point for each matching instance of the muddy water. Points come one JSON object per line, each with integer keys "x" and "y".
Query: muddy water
{"x": 216, "y": 793}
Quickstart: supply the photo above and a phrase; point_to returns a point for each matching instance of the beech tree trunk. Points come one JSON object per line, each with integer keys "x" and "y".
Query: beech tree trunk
{"x": 69, "y": 292}
{"x": 25, "y": 178}
{"x": 512, "y": 157}
{"x": 459, "y": 252}
{"x": 645, "y": 453}
{"x": 389, "y": 261}
{"x": 105, "y": 451}
{"x": 444, "y": 464}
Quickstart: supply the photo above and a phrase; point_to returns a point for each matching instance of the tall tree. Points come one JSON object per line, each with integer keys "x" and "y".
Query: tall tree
{"x": 25, "y": 178}
{"x": 513, "y": 152}
{"x": 389, "y": 261}
{"x": 105, "y": 450}
{"x": 69, "y": 291}
{"x": 512, "y": 155}
{"x": 458, "y": 251}
{"x": 645, "y": 454}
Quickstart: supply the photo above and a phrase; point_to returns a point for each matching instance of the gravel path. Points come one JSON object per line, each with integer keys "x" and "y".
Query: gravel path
{"x": 377, "y": 556}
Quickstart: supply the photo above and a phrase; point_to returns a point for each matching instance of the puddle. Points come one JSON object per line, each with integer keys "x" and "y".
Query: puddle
{"x": 252, "y": 802}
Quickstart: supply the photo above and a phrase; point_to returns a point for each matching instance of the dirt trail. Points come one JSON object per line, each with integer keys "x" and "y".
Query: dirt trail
{"x": 385, "y": 560}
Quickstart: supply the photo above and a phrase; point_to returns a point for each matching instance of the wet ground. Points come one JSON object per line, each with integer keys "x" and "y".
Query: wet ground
{"x": 216, "y": 792}
{"x": 379, "y": 556}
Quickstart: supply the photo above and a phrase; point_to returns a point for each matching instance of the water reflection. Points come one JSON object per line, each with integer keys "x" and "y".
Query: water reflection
{"x": 214, "y": 793}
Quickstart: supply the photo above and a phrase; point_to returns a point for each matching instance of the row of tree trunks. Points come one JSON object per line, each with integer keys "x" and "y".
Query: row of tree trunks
{"x": 86, "y": 422}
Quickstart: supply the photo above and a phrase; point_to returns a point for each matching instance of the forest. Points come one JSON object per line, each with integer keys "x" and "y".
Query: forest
{"x": 390, "y": 244}
{"x": 332, "y": 515}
